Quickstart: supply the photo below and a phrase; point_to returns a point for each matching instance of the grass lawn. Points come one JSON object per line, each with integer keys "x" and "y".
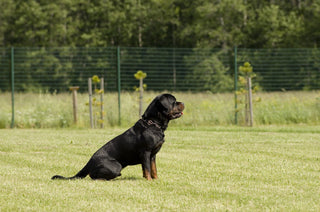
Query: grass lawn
{"x": 200, "y": 169}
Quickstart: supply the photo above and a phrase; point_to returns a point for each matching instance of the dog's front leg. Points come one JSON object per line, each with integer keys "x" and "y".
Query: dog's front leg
{"x": 146, "y": 165}
{"x": 154, "y": 168}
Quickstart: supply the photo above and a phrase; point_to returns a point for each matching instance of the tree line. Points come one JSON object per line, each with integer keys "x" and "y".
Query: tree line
{"x": 199, "y": 35}
{"x": 160, "y": 23}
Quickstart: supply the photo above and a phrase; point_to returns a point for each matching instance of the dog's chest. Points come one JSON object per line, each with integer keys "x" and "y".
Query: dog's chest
{"x": 153, "y": 138}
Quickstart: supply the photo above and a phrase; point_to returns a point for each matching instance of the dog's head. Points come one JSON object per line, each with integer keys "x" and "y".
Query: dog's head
{"x": 164, "y": 108}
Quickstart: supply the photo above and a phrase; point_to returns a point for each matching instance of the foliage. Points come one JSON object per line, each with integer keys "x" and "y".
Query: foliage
{"x": 212, "y": 73}
{"x": 161, "y": 23}
{"x": 246, "y": 90}
{"x": 95, "y": 79}
{"x": 97, "y": 103}
{"x": 140, "y": 75}
{"x": 246, "y": 71}
{"x": 209, "y": 70}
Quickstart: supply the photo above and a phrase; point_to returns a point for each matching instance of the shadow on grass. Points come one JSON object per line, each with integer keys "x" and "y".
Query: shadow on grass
{"x": 128, "y": 178}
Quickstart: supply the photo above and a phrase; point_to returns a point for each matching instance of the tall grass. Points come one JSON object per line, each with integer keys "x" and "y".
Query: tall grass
{"x": 288, "y": 108}
{"x": 46, "y": 110}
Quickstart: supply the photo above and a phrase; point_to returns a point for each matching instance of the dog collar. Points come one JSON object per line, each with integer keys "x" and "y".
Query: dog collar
{"x": 150, "y": 122}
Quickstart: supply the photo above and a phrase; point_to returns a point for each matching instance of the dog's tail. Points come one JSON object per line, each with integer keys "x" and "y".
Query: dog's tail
{"x": 81, "y": 174}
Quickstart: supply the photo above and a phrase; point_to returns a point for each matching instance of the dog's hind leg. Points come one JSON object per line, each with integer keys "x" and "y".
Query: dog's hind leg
{"x": 108, "y": 170}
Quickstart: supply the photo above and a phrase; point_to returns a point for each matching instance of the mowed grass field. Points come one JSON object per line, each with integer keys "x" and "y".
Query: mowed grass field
{"x": 266, "y": 168}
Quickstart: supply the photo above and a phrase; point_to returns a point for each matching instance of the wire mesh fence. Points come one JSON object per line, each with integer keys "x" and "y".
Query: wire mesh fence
{"x": 173, "y": 69}
{"x": 284, "y": 69}
{"x": 54, "y": 70}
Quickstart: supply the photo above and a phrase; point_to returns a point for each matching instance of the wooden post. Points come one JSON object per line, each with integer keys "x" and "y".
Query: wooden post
{"x": 90, "y": 101}
{"x": 101, "y": 101}
{"x": 250, "y": 102}
{"x": 75, "y": 103}
{"x": 246, "y": 102}
{"x": 12, "y": 87}
{"x": 141, "y": 97}
{"x": 140, "y": 76}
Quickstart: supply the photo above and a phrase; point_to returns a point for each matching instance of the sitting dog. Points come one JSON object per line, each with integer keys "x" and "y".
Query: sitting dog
{"x": 137, "y": 145}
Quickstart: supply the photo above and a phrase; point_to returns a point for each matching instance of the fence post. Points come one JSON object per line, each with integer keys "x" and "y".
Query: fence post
{"x": 235, "y": 86}
{"x": 102, "y": 102}
{"x": 141, "y": 96}
{"x": 74, "y": 103}
{"x": 119, "y": 85}
{"x": 90, "y": 102}
{"x": 12, "y": 86}
{"x": 250, "y": 101}
{"x": 174, "y": 69}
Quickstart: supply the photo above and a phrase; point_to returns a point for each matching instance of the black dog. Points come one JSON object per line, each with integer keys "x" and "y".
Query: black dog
{"x": 138, "y": 145}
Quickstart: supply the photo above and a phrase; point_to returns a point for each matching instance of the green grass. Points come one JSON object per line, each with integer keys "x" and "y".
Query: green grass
{"x": 202, "y": 109}
{"x": 274, "y": 168}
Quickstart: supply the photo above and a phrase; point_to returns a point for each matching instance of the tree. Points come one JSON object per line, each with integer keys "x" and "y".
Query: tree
{"x": 6, "y": 8}
{"x": 210, "y": 73}
{"x": 160, "y": 23}
{"x": 272, "y": 27}
{"x": 311, "y": 20}
{"x": 217, "y": 23}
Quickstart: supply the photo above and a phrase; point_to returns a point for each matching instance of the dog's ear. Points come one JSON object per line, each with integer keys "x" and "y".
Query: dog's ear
{"x": 165, "y": 102}
{"x": 154, "y": 108}
{"x": 162, "y": 104}
{"x": 161, "y": 107}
